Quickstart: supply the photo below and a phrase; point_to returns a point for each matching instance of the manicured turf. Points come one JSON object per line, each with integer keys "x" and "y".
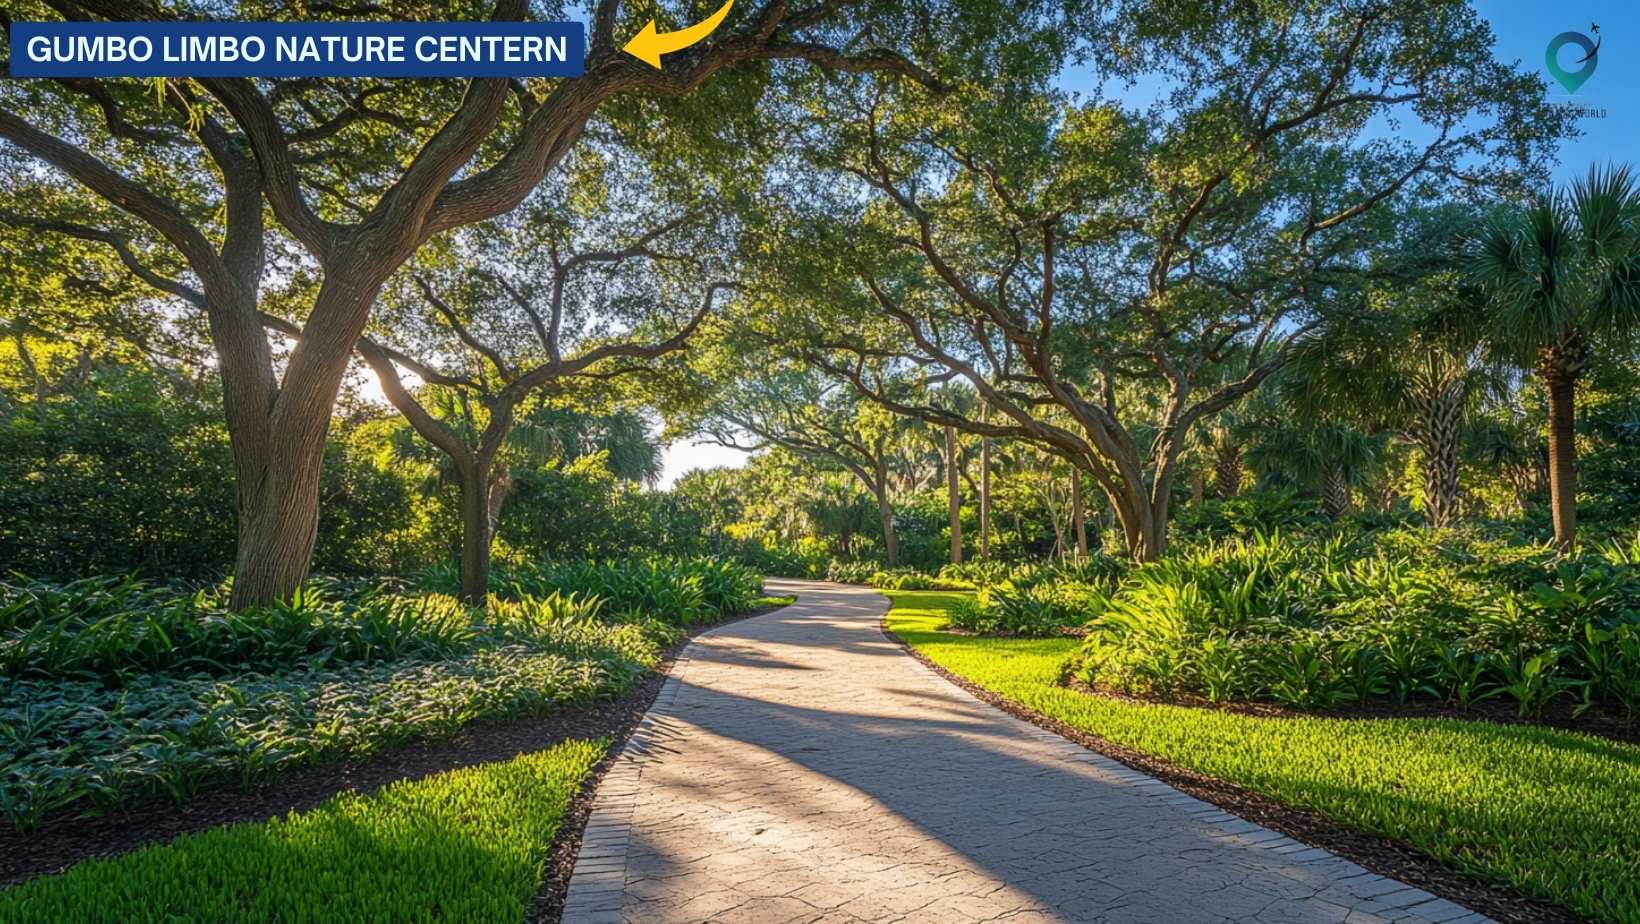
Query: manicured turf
{"x": 468, "y": 845}
{"x": 1550, "y": 814}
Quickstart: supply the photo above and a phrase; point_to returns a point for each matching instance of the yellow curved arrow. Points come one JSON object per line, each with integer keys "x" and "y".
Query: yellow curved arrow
{"x": 648, "y": 45}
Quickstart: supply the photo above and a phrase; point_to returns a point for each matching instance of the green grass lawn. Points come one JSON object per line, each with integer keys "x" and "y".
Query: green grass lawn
{"x": 467, "y": 845}
{"x": 1554, "y": 815}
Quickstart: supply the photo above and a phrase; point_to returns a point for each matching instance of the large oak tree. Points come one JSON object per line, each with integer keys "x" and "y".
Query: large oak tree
{"x": 360, "y": 173}
{"x": 1089, "y": 267}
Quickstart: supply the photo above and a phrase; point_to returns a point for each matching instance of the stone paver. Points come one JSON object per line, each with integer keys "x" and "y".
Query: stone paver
{"x": 800, "y": 767}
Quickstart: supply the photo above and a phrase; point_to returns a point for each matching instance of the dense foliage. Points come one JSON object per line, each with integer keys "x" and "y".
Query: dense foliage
{"x": 676, "y": 591}
{"x": 1400, "y": 616}
{"x": 114, "y": 690}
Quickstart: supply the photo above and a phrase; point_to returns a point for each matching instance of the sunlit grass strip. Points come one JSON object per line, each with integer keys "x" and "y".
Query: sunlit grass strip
{"x": 1550, "y": 814}
{"x": 467, "y": 845}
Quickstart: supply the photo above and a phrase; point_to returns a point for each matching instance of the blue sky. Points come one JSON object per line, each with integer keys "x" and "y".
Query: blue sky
{"x": 1523, "y": 30}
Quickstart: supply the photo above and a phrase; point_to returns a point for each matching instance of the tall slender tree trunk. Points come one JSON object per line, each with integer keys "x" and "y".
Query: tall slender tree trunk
{"x": 878, "y": 483}
{"x": 475, "y": 535}
{"x": 885, "y": 516}
{"x": 1562, "y": 387}
{"x": 1079, "y": 524}
{"x": 985, "y": 498}
{"x": 1198, "y": 488}
{"x": 955, "y": 494}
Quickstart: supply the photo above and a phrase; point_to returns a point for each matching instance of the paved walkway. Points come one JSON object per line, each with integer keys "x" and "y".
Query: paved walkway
{"x": 801, "y": 767}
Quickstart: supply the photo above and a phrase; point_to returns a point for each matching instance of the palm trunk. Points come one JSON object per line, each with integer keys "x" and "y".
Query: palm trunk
{"x": 1562, "y": 387}
{"x": 955, "y": 495}
{"x": 1335, "y": 492}
{"x": 1442, "y": 411}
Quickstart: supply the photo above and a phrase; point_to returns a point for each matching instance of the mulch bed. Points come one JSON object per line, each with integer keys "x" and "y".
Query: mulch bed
{"x": 57, "y": 845}
{"x": 1377, "y": 854}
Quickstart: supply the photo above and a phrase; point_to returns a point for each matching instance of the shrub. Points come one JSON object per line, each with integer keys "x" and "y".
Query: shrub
{"x": 1391, "y": 616}
{"x": 114, "y": 690}
{"x": 106, "y": 628}
{"x": 1035, "y": 612}
{"x": 981, "y": 573}
{"x": 851, "y": 572}
{"x": 679, "y": 591}
{"x": 911, "y": 579}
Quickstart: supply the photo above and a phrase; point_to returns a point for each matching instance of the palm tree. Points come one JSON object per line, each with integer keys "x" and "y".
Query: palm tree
{"x": 1328, "y": 456}
{"x": 1224, "y": 440}
{"x": 1563, "y": 278}
{"x": 839, "y": 508}
{"x": 1412, "y": 369}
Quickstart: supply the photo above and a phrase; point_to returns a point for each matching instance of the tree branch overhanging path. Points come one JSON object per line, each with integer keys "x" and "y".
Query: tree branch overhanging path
{"x": 1105, "y": 280}
{"x": 252, "y": 148}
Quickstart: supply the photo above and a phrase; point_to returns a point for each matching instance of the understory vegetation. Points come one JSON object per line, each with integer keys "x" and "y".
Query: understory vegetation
{"x": 115, "y": 690}
{"x": 1400, "y": 617}
{"x": 1546, "y": 813}
{"x": 464, "y": 845}
{"x": 1334, "y": 618}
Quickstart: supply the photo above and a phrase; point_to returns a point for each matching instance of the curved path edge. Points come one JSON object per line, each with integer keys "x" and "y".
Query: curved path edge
{"x": 614, "y": 879}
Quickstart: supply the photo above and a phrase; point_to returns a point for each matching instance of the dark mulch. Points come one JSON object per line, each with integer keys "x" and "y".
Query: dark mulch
{"x": 57, "y": 845}
{"x": 1380, "y": 855}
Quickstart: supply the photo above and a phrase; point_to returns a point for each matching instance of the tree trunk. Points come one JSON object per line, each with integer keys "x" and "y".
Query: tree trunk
{"x": 277, "y": 488}
{"x": 1079, "y": 524}
{"x": 1227, "y": 470}
{"x": 1335, "y": 492}
{"x": 501, "y": 485}
{"x": 1147, "y": 538}
{"x": 985, "y": 498}
{"x": 475, "y": 536}
{"x": 955, "y": 495}
{"x": 885, "y": 516}
{"x": 1442, "y": 410}
{"x": 1562, "y": 387}
{"x": 1198, "y": 488}
{"x": 278, "y": 527}
{"x": 277, "y": 428}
